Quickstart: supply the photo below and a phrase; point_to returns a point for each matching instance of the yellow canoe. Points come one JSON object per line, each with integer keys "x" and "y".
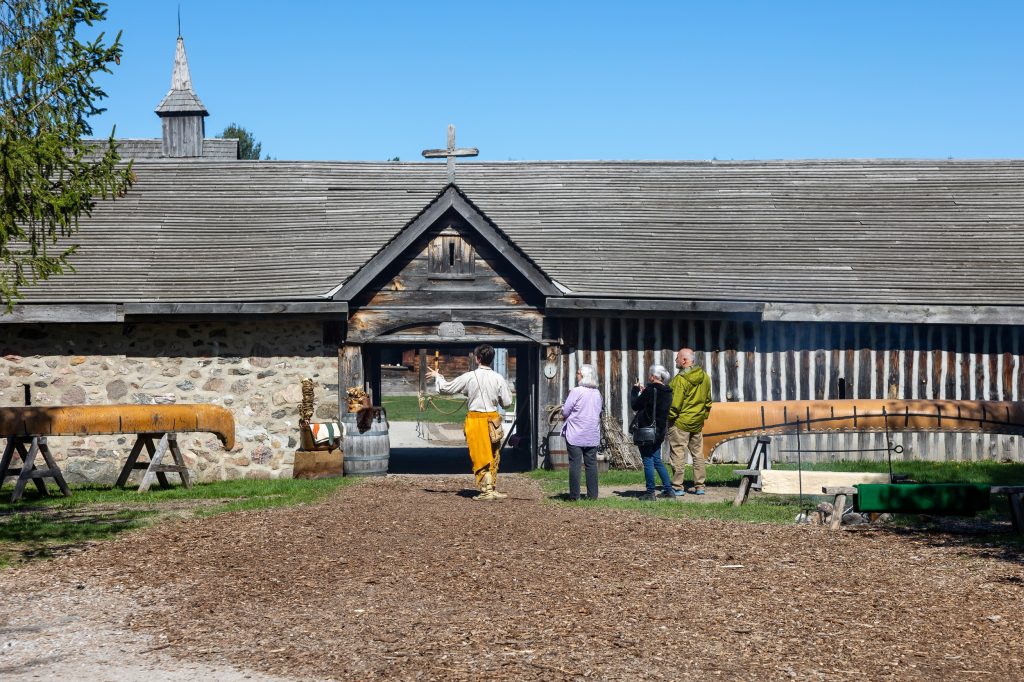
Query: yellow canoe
{"x": 88, "y": 420}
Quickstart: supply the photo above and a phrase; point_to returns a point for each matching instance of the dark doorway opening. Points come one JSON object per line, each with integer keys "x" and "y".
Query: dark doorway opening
{"x": 425, "y": 428}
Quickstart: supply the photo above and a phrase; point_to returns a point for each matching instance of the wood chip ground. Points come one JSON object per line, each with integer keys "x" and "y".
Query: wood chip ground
{"x": 408, "y": 578}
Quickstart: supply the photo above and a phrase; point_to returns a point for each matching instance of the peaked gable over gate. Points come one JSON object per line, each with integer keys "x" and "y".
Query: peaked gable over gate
{"x": 451, "y": 276}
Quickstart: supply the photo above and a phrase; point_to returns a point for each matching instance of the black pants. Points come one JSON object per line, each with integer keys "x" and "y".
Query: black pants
{"x": 582, "y": 455}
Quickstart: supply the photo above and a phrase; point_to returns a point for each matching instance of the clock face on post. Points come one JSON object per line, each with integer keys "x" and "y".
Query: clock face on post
{"x": 550, "y": 370}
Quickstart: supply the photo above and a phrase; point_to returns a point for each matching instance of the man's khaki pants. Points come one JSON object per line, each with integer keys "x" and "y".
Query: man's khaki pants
{"x": 681, "y": 443}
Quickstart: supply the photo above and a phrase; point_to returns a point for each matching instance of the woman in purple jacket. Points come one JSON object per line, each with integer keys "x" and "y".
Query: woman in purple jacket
{"x": 582, "y": 430}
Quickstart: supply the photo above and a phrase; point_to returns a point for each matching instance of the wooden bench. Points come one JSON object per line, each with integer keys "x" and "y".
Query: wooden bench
{"x": 1014, "y": 493}
{"x": 793, "y": 482}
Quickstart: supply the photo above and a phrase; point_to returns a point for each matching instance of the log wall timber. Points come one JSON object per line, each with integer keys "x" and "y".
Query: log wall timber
{"x": 755, "y": 360}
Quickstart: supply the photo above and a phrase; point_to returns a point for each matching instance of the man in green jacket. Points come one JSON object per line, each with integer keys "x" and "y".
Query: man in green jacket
{"x": 691, "y": 405}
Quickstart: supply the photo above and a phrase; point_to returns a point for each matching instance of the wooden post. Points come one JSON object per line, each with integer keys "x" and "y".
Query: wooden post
{"x": 1016, "y": 512}
{"x": 744, "y": 490}
{"x": 838, "y": 507}
{"x": 423, "y": 371}
{"x": 527, "y": 399}
{"x": 350, "y": 371}
{"x": 839, "y": 503}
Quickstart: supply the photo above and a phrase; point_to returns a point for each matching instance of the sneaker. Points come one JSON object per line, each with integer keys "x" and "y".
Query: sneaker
{"x": 699, "y": 491}
{"x": 497, "y": 495}
{"x": 672, "y": 493}
{"x": 648, "y": 497}
{"x": 487, "y": 495}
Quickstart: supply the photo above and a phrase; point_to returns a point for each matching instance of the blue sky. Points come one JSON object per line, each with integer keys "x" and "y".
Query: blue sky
{"x": 586, "y": 80}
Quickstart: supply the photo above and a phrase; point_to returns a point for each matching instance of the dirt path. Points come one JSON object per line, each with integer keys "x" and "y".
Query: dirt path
{"x": 409, "y": 579}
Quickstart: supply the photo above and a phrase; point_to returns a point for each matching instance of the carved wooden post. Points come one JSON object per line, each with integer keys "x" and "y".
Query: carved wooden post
{"x": 549, "y": 385}
{"x": 350, "y": 371}
{"x": 549, "y": 375}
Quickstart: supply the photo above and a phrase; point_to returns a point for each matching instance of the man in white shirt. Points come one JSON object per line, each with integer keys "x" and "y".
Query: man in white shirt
{"x": 486, "y": 390}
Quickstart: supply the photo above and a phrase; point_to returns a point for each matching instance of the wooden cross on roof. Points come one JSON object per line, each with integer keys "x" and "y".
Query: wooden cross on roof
{"x": 450, "y": 153}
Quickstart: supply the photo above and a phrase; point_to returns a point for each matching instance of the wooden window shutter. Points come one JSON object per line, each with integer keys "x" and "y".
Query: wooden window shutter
{"x": 451, "y": 256}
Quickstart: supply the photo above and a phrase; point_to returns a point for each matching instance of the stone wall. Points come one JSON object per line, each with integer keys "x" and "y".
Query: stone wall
{"x": 253, "y": 368}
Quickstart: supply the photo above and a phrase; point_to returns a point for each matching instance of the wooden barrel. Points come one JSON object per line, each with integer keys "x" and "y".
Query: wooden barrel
{"x": 558, "y": 451}
{"x": 366, "y": 453}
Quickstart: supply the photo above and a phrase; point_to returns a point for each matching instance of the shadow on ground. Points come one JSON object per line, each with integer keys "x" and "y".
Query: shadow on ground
{"x": 447, "y": 461}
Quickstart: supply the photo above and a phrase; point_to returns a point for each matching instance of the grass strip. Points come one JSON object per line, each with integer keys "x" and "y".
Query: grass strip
{"x": 782, "y": 509}
{"x": 764, "y": 509}
{"x": 405, "y": 408}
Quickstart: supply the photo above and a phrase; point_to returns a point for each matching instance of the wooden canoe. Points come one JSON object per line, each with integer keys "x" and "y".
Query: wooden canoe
{"x": 771, "y": 417}
{"x": 88, "y": 420}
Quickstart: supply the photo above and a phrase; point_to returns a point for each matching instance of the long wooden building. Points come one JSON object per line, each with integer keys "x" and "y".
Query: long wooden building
{"x": 226, "y": 281}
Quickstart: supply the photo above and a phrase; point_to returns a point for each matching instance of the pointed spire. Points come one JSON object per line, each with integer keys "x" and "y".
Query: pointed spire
{"x": 181, "y": 79}
{"x": 181, "y": 113}
{"x": 181, "y": 99}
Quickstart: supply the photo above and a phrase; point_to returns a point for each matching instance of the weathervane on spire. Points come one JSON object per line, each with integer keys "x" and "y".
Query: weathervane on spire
{"x": 451, "y": 153}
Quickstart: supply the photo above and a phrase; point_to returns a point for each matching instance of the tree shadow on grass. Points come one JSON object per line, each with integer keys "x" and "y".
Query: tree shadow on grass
{"x": 45, "y": 533}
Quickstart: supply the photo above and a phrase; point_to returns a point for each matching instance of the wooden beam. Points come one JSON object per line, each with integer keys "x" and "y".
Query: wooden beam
{"x": 71, "y": 312}
{"x": 571, "y": 306}
{"x": 434, "y": 339}
{"x": 906, "y": 314}
{"x": 333, "y": 308}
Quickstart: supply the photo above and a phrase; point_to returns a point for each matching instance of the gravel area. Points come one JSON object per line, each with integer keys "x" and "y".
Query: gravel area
{"x": 408, "y": 578}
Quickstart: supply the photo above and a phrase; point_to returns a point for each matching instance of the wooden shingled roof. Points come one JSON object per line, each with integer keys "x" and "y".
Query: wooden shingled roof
{"x": 839, "y": 232}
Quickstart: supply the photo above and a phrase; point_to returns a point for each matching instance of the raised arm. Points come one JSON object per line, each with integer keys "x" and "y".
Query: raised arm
{"x": 456, "y": 386}
{"x": 637, "y": 401}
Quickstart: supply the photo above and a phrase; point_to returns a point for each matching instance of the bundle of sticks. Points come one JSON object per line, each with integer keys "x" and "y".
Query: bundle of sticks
{"x": 306, "y": 406}
{"x": 618, "y": 446}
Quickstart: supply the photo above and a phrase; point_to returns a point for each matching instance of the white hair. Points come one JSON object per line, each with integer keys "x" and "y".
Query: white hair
{"x": 588, "y": 376}
{"x": 660, "y": 372}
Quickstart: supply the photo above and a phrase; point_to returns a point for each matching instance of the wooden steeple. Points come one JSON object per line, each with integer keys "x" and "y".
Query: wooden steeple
{"x": 181, "y": 112}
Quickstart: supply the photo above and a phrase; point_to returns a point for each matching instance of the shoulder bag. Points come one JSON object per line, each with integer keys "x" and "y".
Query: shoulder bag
{"x": 646, "y": 435}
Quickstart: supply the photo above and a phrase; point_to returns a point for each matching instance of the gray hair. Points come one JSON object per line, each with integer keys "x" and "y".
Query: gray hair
{"x": 588, "y": 376}
{"x": 660, "y": 372}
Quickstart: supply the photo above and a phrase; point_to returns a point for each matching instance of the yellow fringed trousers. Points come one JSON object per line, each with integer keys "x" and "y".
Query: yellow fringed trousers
{"x": 482, "y": 453}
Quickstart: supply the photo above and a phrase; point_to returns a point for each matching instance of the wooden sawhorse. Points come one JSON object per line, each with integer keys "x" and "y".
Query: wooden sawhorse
{"x": 750, "y": 477}
{"x": 155, "y": 468}
{"x": 29, "y": 471}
